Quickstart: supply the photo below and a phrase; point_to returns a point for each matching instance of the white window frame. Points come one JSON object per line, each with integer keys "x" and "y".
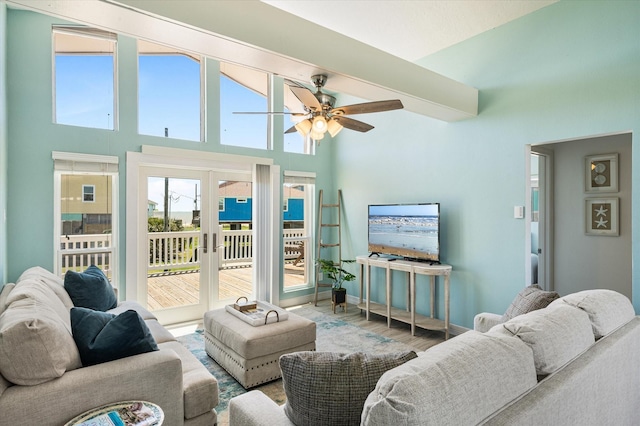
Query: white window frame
{"x": 164, "y": 50}
{"x": 88, "y": 32}
{"x": 66, "y": 163}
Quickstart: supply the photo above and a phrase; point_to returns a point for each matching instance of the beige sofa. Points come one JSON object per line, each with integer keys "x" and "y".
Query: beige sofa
{"x": 573, "y": 362}
{"x": 44, "y": 383}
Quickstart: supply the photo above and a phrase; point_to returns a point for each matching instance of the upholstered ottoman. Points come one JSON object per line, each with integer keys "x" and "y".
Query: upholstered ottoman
{"x": 250, "y": 354}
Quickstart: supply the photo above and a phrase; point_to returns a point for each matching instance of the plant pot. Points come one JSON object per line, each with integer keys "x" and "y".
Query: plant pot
{"x": 338, "y": 295}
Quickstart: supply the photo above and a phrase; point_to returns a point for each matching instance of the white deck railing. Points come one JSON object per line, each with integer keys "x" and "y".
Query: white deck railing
{"x": 81, "y": 251}
{"x": 174, "y": 250}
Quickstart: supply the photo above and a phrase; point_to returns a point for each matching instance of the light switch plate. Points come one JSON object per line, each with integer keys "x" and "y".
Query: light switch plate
{"x": 518, "y": 212}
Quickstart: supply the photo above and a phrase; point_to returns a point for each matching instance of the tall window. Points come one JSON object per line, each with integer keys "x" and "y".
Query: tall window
{"x": 84, "y": 77}
{"x": 170, "y": 93}
{"x": 87, "y": 231}
{"x": 297, "y": 226}
{"x": 243, "y": 90}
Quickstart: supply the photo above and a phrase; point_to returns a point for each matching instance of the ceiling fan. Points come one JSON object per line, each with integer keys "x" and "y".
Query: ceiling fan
{"x": 321, "y": 115}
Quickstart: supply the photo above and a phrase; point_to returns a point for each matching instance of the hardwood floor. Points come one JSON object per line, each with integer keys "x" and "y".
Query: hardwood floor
{"x": 172, "y": 290}
{"x": 401, "y": 332}
{"x": 178, "y": 289}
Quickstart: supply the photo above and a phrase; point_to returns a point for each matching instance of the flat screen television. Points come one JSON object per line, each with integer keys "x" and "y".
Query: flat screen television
{"x": 411, "y": 231}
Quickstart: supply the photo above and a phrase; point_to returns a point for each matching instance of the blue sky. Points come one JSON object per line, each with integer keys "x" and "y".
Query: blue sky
{"x": 84, "y": 91}
{"x": 169, "y": 97}
{"x": 404, "y": 210}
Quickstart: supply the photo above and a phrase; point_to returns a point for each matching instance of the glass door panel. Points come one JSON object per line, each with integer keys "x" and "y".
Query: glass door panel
{"x": 177, "y": 263}
{"x": 296, "y": 236}
{"x": 235, "y": 250}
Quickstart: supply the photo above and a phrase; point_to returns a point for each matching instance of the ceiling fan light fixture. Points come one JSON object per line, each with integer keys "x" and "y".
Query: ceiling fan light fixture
{"x": 304, "y": 127}
{"x": 333, "y": 127}
{"x": 317, "y": 135}
{"x": 319, "y": 124}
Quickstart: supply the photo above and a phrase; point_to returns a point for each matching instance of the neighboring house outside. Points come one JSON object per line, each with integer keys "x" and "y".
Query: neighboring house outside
{"x": 152, "y": 207}
{"x": 86, "y": 204}
{"x": 235, "y": 204}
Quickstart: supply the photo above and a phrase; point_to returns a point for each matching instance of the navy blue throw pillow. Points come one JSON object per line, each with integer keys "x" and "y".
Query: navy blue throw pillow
{"x": 102, "y": 336}
{"x": 90, "y": 289}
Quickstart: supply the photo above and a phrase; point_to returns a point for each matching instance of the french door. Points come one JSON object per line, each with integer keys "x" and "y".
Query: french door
{"x": 196, "y": 261}
{"x": 178, "y": 261}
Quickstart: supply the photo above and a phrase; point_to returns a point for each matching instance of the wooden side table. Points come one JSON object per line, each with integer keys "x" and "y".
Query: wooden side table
{"x": 92, "y": 417}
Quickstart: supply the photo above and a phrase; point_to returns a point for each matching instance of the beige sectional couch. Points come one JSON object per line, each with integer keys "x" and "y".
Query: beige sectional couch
{"x": 42, "y": 379}
{"x": 573, "y": 362}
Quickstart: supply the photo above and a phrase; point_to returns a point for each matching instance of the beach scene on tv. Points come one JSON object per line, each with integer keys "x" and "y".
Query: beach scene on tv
{"x": 410, "y": 231}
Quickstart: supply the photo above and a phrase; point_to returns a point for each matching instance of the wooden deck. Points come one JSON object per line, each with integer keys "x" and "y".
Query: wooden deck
{"x": 170, "y": 290}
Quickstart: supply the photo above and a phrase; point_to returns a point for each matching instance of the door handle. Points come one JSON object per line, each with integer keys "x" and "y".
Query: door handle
{"x": 204, "y": 243}
{"x": 215, "y": 244}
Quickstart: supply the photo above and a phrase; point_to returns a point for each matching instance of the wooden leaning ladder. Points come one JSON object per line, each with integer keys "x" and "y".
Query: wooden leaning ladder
{"x": 320, "y": 235}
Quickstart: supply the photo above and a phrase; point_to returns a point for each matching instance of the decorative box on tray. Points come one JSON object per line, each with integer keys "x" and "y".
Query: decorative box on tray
{"x": 262, "y": 313}
{"x": 244, "y": 305}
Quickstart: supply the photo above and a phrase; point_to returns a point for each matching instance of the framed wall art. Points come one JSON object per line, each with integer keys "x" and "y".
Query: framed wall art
{"x": 602, "y": 216}
{"x": 601, "y": 173}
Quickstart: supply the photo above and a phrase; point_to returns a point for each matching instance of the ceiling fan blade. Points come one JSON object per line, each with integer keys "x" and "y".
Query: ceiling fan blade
{"x": 291, "y": 129}
{"x": 292, "y": 83}
{"x": 295, "y": 114}
{"x": 352, "y": 124}
{"x": 307, "y": 97}
{"x": 367, "y": 107}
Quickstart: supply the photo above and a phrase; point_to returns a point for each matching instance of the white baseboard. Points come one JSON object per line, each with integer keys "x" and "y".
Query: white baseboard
{"x": 301, "y": 300}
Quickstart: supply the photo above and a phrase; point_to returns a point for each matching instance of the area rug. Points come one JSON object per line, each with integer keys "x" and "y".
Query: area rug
{"x": 332, "y": 334}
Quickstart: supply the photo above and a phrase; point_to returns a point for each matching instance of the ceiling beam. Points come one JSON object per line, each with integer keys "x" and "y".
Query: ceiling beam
{"x": 260, "y": 36}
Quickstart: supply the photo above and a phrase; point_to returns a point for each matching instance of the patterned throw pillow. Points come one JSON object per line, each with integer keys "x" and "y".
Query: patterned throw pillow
{"x": 529, "y": 299}
{"x": 326, "y": 388}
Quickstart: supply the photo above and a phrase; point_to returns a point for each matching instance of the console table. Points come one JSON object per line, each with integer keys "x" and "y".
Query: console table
{"x": 409, "y": 316}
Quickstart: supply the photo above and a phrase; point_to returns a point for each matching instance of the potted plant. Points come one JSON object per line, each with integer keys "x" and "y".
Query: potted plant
{"x": 334, "y": 272}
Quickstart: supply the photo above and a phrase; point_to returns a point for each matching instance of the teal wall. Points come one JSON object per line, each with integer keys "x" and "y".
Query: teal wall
{"x": 32, "y": 137}
{"x": 570, "y": 70}
{"x": 3, "y": 145}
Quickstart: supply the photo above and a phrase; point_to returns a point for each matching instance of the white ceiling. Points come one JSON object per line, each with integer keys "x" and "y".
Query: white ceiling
{"x": 410, "y": 29}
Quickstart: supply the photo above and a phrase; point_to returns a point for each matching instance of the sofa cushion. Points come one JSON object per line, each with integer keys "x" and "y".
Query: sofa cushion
{"x": 32, "y": 289}
{"x": 325, "y": 388}
{"x": 131, "y": 305}
{"x": 4, "y": 294}
{"x": 200, "y": 387}
{"x": 458, "y": 382}
{"x": 556, "y": 335}
{"x": 529, "y": 299}
{"x": 35, "y": 343}
{"x": 53, "y": 281}
{"x": 103, "y": 337}
{"x": 607, "y": 309}
{"x": 90, "y": 289}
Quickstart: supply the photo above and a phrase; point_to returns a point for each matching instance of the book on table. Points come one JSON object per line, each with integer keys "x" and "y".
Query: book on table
{"x": 136, "y": 414}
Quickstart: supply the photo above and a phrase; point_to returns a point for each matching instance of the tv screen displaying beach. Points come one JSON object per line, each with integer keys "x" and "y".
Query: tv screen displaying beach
{"x": 405, "y": 230}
